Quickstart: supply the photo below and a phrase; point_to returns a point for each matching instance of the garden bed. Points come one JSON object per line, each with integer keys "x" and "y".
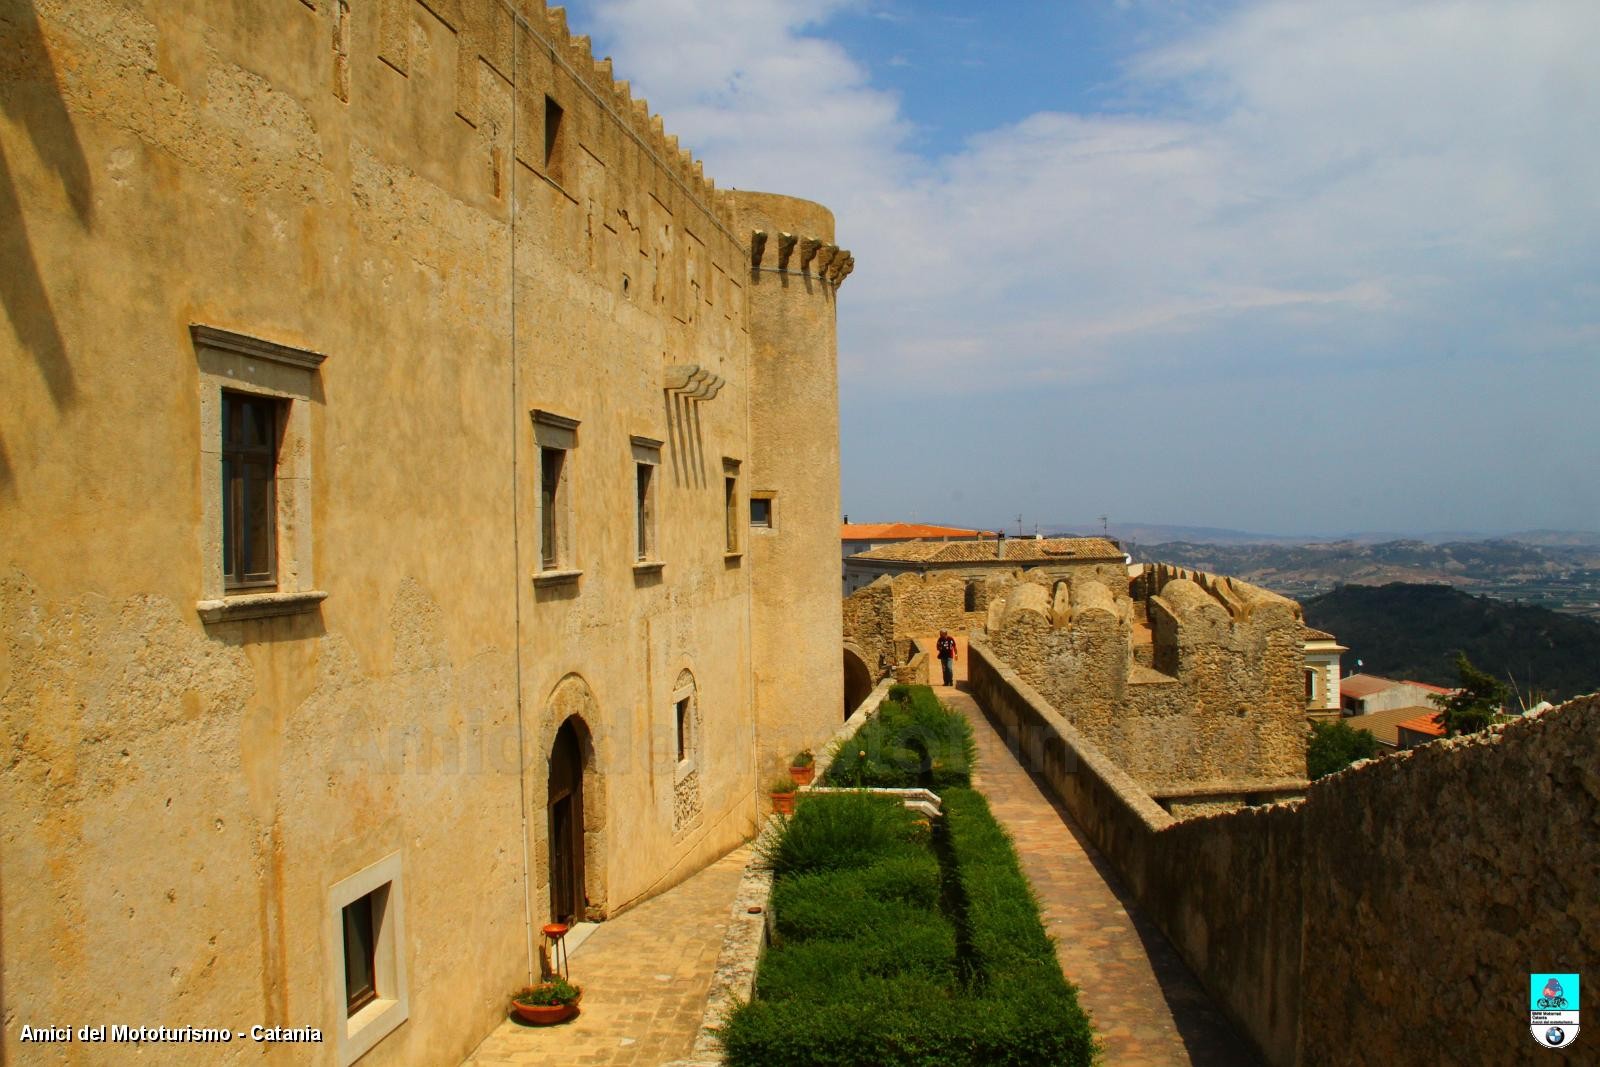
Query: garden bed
{"x": 900, "y": 942}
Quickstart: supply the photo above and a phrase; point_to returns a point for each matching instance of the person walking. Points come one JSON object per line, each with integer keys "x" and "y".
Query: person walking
{"x": 947, "y": 655}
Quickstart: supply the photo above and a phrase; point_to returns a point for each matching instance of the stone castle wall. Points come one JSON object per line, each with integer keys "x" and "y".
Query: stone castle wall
{"x": 1392, "y": 916}
{"x": 1210, "y": 715}
{"x": 370, "y": 187}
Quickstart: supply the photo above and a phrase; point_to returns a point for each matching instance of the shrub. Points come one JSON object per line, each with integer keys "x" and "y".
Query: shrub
{"x": 803, "y": 758}
{"x": 1334, "y": 746}
{"x": 781, "y": 785}
{"x": 893, "y": 957}
{"x": 837, "y": 831}
{"x": 547, "y": 994}
{"x": 913, "y": 740}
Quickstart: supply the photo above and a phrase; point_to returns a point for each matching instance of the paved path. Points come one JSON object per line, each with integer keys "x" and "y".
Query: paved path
{"x": 1148, "y": 1007}
{"x": 644, "y": 974}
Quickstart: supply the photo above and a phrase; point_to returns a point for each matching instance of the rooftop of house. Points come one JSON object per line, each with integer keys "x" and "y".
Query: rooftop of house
{"x": 1318, "y": 635}
{"x": 1365, "y": 685}
{"x": 1385, "y": 725}
{"x": 1361, "y": 686}
{"x": 1017, "y": 550}
{"x": 903, "y": 531}
{"x": 1426, "y": 723}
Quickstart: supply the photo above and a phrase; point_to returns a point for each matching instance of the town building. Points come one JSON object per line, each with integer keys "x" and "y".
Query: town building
{"x": 855, "y": 537}
{"x": 418, "y": 492}
{"x": 1363, "y": 694}
{"x": 1322, "y": 654}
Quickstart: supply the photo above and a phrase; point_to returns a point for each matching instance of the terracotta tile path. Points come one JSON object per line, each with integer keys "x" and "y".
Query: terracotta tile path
{"x": 1148, "y": 1007}
{"x": 644, "y": 975}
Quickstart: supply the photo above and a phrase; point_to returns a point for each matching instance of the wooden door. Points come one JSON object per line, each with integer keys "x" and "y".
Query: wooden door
{"x": 568, "y": 902}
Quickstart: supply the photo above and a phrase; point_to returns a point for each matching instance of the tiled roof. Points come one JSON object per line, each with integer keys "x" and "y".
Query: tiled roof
{"x": 1018, "y": 550}
{"x": 1426, "y": 723}
{"x": 1441, "y": 690}
{"x": 1364, "y": 685}
{"x": 1318, "y": 635}
{"x": 888, "y": 531}
{"x": 1385, "y": 725}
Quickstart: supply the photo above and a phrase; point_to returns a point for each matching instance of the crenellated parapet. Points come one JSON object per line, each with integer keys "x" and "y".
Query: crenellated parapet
{"x": 530, "y": 49}
{"x": 788, "y": 253}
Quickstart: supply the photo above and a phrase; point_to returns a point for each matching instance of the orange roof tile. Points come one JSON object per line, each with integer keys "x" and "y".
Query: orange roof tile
{"x": 884, "y": 531}
{"x": 1018, "y": 550}
{"x": 1424, "y": 724}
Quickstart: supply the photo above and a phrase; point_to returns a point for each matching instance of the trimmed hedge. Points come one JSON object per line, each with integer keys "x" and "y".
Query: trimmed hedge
{"x": 913, "y": 740}
{"x": 920, "y": 953}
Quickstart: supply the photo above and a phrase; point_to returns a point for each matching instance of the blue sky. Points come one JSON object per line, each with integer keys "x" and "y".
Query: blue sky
{"x": 1281, "y": 266}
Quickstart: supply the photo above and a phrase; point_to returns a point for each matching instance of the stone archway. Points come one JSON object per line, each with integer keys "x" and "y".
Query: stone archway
{"x": 570, "y": 836}
{"x": 857, "y": 679}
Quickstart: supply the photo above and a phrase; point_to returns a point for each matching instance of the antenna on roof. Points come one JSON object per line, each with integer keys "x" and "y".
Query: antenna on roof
{"x": 1019, "y": 524}
{"x": 1105, "y": 530}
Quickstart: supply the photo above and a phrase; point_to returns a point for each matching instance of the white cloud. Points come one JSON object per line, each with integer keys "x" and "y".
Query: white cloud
{"x": 1351, "y": 168}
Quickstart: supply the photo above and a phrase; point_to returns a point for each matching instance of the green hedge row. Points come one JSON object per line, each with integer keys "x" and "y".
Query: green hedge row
{"x": 911, "y": 953}
{"x": 913, "y": 740}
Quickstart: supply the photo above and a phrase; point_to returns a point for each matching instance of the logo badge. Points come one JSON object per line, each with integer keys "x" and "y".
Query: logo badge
{"x": 1553, "y": 1009}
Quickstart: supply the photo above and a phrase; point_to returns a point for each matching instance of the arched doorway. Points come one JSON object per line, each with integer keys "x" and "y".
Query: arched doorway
{"x": 857, "y": 680}
{"x": 568, "y": 900}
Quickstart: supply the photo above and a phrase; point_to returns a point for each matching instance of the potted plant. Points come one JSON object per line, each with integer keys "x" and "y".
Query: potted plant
{"x": 550, "y": 1002}
{"x": 802, "y": 768}
{"x": 782, "y": 793}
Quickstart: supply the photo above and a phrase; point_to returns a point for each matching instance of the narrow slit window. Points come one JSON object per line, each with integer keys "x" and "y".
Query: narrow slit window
{"x": 683, "y": 729}
{"x": 644, "y": 507}
{"x": 552, "y": 138}
{"x": 552, "y": 463}
{"x": 730, "y": 503}
{"x": 249, "y": 490}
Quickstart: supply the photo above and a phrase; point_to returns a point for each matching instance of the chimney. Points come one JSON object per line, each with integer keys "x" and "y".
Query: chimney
{"x": 1000, "y": 546}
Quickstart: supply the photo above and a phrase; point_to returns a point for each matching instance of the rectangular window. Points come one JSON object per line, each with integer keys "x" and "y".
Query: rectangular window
{"x": 366, "y": 951}
{"x": 552, "y": 461}
{"x": 730, "y": 505}
{"x": 362, "y": 919}
{"x": 644, "y": 511}
{"x": 683, "y": 729}
{"x": 552, "y": 139}
{"x": 761, "y": 511}
{"x": 249, "y": 490}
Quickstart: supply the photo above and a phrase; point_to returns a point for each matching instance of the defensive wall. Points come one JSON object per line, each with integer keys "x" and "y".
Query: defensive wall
{"x": 1391, "y": 916}
{"x": 1191, "y": 683}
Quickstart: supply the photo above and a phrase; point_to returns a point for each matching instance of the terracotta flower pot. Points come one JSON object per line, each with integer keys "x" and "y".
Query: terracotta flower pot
{"x": 802, "y": 775}
{"x": 782, "y": 803}
{"x": 544, "y": 1014}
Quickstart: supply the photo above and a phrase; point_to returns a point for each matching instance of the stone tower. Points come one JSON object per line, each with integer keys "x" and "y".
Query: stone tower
{"x": 796, "y": 620}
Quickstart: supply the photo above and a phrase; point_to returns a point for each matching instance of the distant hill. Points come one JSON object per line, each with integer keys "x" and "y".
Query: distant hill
{"x": 1561, "y": 576}
{"x": 1405, "y": 630}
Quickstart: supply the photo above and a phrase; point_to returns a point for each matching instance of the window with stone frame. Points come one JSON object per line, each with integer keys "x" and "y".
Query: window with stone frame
{"x": 556, "y": 441}
{"x": 257, "y": 402}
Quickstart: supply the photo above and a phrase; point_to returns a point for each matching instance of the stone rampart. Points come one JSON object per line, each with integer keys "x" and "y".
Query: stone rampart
{"x": 1401, "y": 903}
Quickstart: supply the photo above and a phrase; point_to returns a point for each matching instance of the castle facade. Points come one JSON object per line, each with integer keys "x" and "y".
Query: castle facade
{"x": 418, "y": 505}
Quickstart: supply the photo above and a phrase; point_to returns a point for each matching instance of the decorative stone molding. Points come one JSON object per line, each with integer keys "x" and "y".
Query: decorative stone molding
{"x": 818, "y": 259}
{"x": 692, "y": 382}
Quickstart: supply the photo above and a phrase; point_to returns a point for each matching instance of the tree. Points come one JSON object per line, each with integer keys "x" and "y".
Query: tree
{"x": 1334, "y": 746}
{"x": 1473, "y": 706}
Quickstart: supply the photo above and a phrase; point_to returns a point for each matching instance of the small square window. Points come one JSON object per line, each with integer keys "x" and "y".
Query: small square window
{"x": 366, "y": 935}
{"x": 362, "y": 919}
{"x": 761, "y": 511}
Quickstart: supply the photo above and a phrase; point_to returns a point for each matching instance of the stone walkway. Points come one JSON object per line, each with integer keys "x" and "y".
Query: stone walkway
{"x": 1148, "y": 1007}
{"x": 644, "y": 974}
